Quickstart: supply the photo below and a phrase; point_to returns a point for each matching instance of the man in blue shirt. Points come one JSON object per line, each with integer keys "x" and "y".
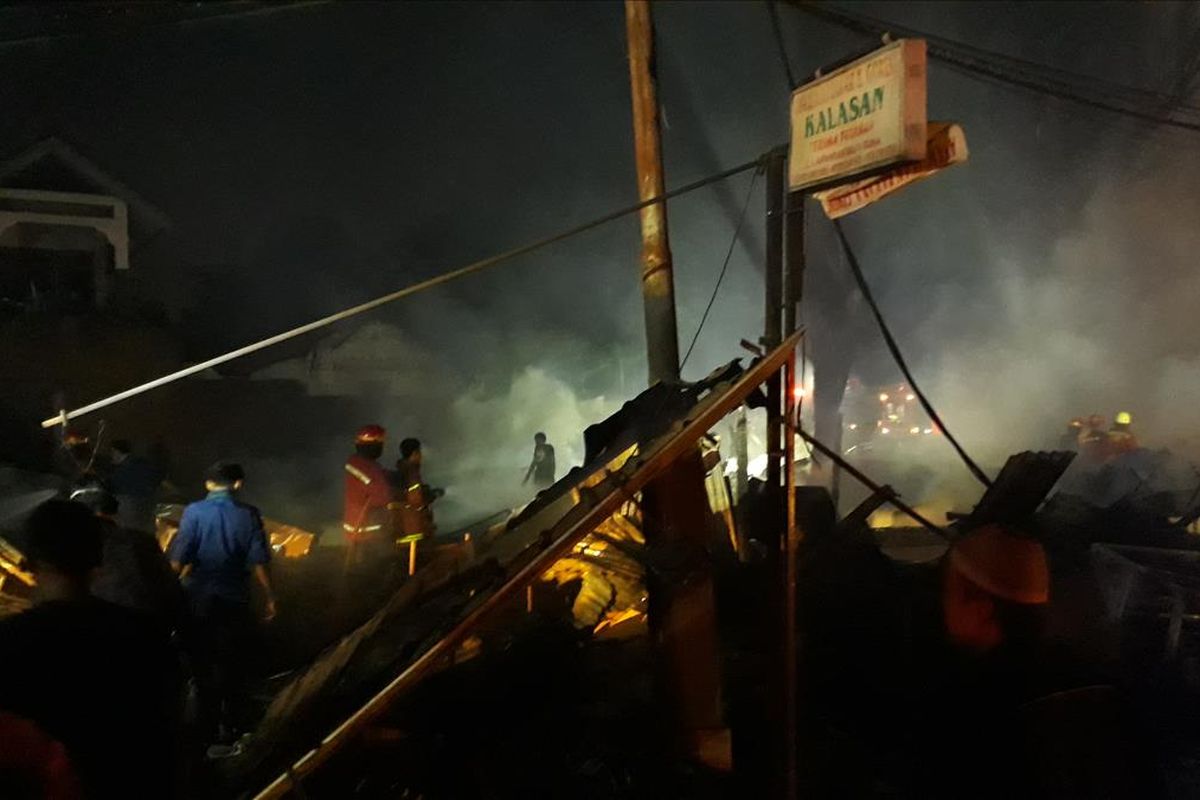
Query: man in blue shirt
{"x": 220, "y": 544}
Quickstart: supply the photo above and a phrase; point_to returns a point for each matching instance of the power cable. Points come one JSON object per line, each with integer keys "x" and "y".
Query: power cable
{"x": 437, "y": 280}
{"x": 894, "y": 349}
{"x": 984, "y": 66}
{"x": 863, "y": 23}
{"x": 1067, "y": 94}
{"x": 724, "y": 267}
{"x": 258, "y": 10}
{"x": 781, "y": 45}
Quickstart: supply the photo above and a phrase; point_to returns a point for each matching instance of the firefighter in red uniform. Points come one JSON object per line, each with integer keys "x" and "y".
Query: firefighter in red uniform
{"x": 1093, "y": 441}
{"x": 413, "y": 515}
{"x": 366, "y": 521}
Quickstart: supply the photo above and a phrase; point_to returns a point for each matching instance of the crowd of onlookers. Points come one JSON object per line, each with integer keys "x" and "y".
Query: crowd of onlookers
{"x": 126, "y": 670}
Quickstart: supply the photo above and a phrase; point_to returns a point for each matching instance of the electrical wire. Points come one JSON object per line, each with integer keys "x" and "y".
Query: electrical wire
{"x": 240, "y": 12}
{"x": 894, "y": 349}
{"x": 862, "y": 23}
{"x": 1074, "y": 96}
{"x": 437, "y": 280}
{"x": 781, "y": 45}
{"x": 984, "y": 64}
{"x": 724, "y": 267}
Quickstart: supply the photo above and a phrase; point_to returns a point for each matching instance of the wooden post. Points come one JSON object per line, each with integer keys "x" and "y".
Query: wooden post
{"x": 675, "y": 506}
{"x": 683, "y": 610}
{"x": 658, "y": 283}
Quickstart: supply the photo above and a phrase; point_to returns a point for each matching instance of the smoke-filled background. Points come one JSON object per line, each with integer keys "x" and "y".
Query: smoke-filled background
{"x": 314, "y": 157}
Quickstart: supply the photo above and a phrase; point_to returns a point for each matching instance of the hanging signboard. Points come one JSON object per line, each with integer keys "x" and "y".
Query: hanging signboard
{"x": 860, "y": 118}
{"x": 946, "y": 147}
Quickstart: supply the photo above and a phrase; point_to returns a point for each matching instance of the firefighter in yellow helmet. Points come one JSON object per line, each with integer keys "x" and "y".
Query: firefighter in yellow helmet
{"x": 1120, "y": 436}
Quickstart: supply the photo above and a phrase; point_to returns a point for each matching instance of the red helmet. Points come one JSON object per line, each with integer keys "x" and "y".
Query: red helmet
{"x": 369, "y": 434}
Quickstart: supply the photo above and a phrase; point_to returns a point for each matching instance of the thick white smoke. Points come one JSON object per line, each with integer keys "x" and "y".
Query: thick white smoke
{"x": 1104, "y": 321}
{"x": 494, "y": 440}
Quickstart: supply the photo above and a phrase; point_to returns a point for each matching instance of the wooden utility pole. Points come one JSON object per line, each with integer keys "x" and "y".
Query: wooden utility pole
{"x": 682, "y": 601}
{"x": 658, "y": 283}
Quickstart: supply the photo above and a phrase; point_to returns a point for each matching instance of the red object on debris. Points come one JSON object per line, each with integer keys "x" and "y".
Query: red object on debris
{"x": 1010, "y": 566}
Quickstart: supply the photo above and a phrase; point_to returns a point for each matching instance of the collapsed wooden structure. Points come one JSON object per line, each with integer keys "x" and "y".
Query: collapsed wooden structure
{"x": 421, "y": 629}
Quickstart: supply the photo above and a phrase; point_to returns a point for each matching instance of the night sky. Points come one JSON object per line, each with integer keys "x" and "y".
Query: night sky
{"x": 316, "y": 156}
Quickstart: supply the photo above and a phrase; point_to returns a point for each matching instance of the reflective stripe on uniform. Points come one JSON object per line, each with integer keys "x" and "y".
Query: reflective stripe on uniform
{"x": 346, "y": 526}
{"x": 358, "y": 473}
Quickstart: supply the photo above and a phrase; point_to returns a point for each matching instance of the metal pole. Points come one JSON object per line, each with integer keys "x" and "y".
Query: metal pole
{"x": 658, "y": 283}
{"x": 741, "y": 451}
{"x": 794, "y": 261}
{"x": 791, "y": 550}
{"x": 773, "y": 313}
{"x": 778, "y": 451}
{"x": 835, "y": 477}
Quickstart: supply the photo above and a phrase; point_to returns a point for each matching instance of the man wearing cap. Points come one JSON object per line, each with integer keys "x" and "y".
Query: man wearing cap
{"x": 365, "y": 517}
{"x": 1120, "y": 436}
{"x": 221, "y": 542}
{"x": 134, "y": 571}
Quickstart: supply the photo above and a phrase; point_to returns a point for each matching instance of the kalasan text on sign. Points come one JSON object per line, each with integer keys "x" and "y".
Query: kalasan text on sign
{"x": 864, "y": 116}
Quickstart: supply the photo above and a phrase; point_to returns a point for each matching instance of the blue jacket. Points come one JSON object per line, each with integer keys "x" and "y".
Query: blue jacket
{"x": 221, "y": 539}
